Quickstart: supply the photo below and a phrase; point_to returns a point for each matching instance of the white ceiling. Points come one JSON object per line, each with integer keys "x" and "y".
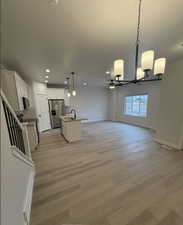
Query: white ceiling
{"x": 86, "y": 36}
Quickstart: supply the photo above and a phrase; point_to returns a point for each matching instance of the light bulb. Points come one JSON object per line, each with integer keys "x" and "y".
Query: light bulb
{"x": 73, "y": 93}
{"x": 68, "y": 94}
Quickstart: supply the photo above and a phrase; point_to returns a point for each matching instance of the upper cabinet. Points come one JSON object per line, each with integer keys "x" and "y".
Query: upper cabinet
{"x": 14, "y": 88}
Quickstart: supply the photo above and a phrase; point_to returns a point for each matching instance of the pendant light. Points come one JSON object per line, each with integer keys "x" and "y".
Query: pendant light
{"x": 73, "y": 84}
{"x": 73, "y": 92}
{"x": 68, "y": 87}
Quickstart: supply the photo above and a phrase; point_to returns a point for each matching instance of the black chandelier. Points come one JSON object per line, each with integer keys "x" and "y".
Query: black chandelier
{"x": 143, "y": 73}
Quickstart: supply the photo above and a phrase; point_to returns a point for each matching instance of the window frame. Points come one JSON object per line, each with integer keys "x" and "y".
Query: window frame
{"x": 131, "y": 115}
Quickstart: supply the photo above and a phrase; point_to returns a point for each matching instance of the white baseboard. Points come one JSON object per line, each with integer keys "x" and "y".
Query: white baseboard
{"x": 169, "y": 144}
{"x": 93, "y": 121}
{"x": 135, "y": 124}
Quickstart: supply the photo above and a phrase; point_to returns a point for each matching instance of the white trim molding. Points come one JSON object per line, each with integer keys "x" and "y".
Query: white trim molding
{"x": 169, "y": 144}
{"x": 135, "y": 124}
{"x": 18, "y": 154}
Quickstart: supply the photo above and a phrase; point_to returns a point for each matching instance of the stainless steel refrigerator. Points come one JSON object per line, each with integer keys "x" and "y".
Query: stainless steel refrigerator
{"x": 56, "y": 109}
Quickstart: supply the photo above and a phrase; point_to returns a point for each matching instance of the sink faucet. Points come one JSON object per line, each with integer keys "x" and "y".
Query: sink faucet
{"x": 73, "y": 110}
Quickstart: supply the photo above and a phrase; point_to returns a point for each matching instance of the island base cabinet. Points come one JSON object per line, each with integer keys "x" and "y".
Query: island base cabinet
{"x": 71, "y": 130}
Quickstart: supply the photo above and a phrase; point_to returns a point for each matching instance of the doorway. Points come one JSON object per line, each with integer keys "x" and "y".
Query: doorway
{"x": 56, "y": 109}
{"x": 43, "y": 112}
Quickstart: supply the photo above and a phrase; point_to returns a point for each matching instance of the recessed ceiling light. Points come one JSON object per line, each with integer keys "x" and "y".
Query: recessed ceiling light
{"x": 47, "y": 77}
{"x": 46, "y": 81}
{"x": 107, "y": 72}
{"x": 47, "y": 70}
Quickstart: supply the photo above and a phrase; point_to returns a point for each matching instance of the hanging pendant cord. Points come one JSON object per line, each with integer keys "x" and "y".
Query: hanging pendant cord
{"x": 139, "y": 20}
{"x": 73, "y": 81}
{"x": 138, "y": 38}
{"x": 68, "y": 85}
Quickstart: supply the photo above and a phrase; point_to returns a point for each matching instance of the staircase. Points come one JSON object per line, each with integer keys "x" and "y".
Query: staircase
{"x": 17, "y": 168}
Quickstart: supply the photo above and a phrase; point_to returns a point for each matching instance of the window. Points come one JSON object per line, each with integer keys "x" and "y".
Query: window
{"x": 136, "y": 105}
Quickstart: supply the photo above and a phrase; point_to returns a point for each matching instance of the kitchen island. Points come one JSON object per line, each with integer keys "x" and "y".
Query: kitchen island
{"x": 71, "y": 128}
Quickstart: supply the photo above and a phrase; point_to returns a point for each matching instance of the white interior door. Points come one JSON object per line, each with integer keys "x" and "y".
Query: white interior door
{"x": 43, "y": 112}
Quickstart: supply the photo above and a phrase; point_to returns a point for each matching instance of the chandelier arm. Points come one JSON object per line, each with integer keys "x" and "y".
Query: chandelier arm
{"x": 137, "y": 81}
{"x": 121, "y": 81}
{"x": 138, "y": 39}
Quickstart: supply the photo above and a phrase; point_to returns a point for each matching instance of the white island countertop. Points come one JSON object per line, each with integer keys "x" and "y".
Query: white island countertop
{"x": 70, "y": 119}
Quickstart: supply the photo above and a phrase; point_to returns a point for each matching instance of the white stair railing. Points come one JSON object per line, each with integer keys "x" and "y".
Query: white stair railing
{"x": 17, "y": 132}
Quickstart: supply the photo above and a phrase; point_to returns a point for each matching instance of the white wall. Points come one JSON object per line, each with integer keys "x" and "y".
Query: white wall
{"x": 52, "y": 93}
{"x": 41, "y": 89}
{"x": 55, "y": 93}
{"x": 91, "y": 102}
{"x": 37, "y": 88}
{"x": 112, "y": 105}
{"x": 181, "y": 140}
{"x": 152, "y": 89}
{"x": 170, "y": 120}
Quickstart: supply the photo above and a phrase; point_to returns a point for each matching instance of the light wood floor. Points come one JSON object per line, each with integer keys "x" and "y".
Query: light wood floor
{"x": 116, "y": 175}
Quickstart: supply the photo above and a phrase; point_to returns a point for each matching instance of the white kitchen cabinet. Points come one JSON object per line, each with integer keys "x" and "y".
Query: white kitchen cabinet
{"x": 71, "y": 128}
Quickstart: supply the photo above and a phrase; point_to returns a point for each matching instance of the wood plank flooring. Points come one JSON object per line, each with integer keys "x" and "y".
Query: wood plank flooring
{"x": 116, "y": 175}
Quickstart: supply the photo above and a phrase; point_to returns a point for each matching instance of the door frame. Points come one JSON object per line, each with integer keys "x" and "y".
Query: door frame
{"x": 52, "y": 99}
{"x": 37, "y": 109}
